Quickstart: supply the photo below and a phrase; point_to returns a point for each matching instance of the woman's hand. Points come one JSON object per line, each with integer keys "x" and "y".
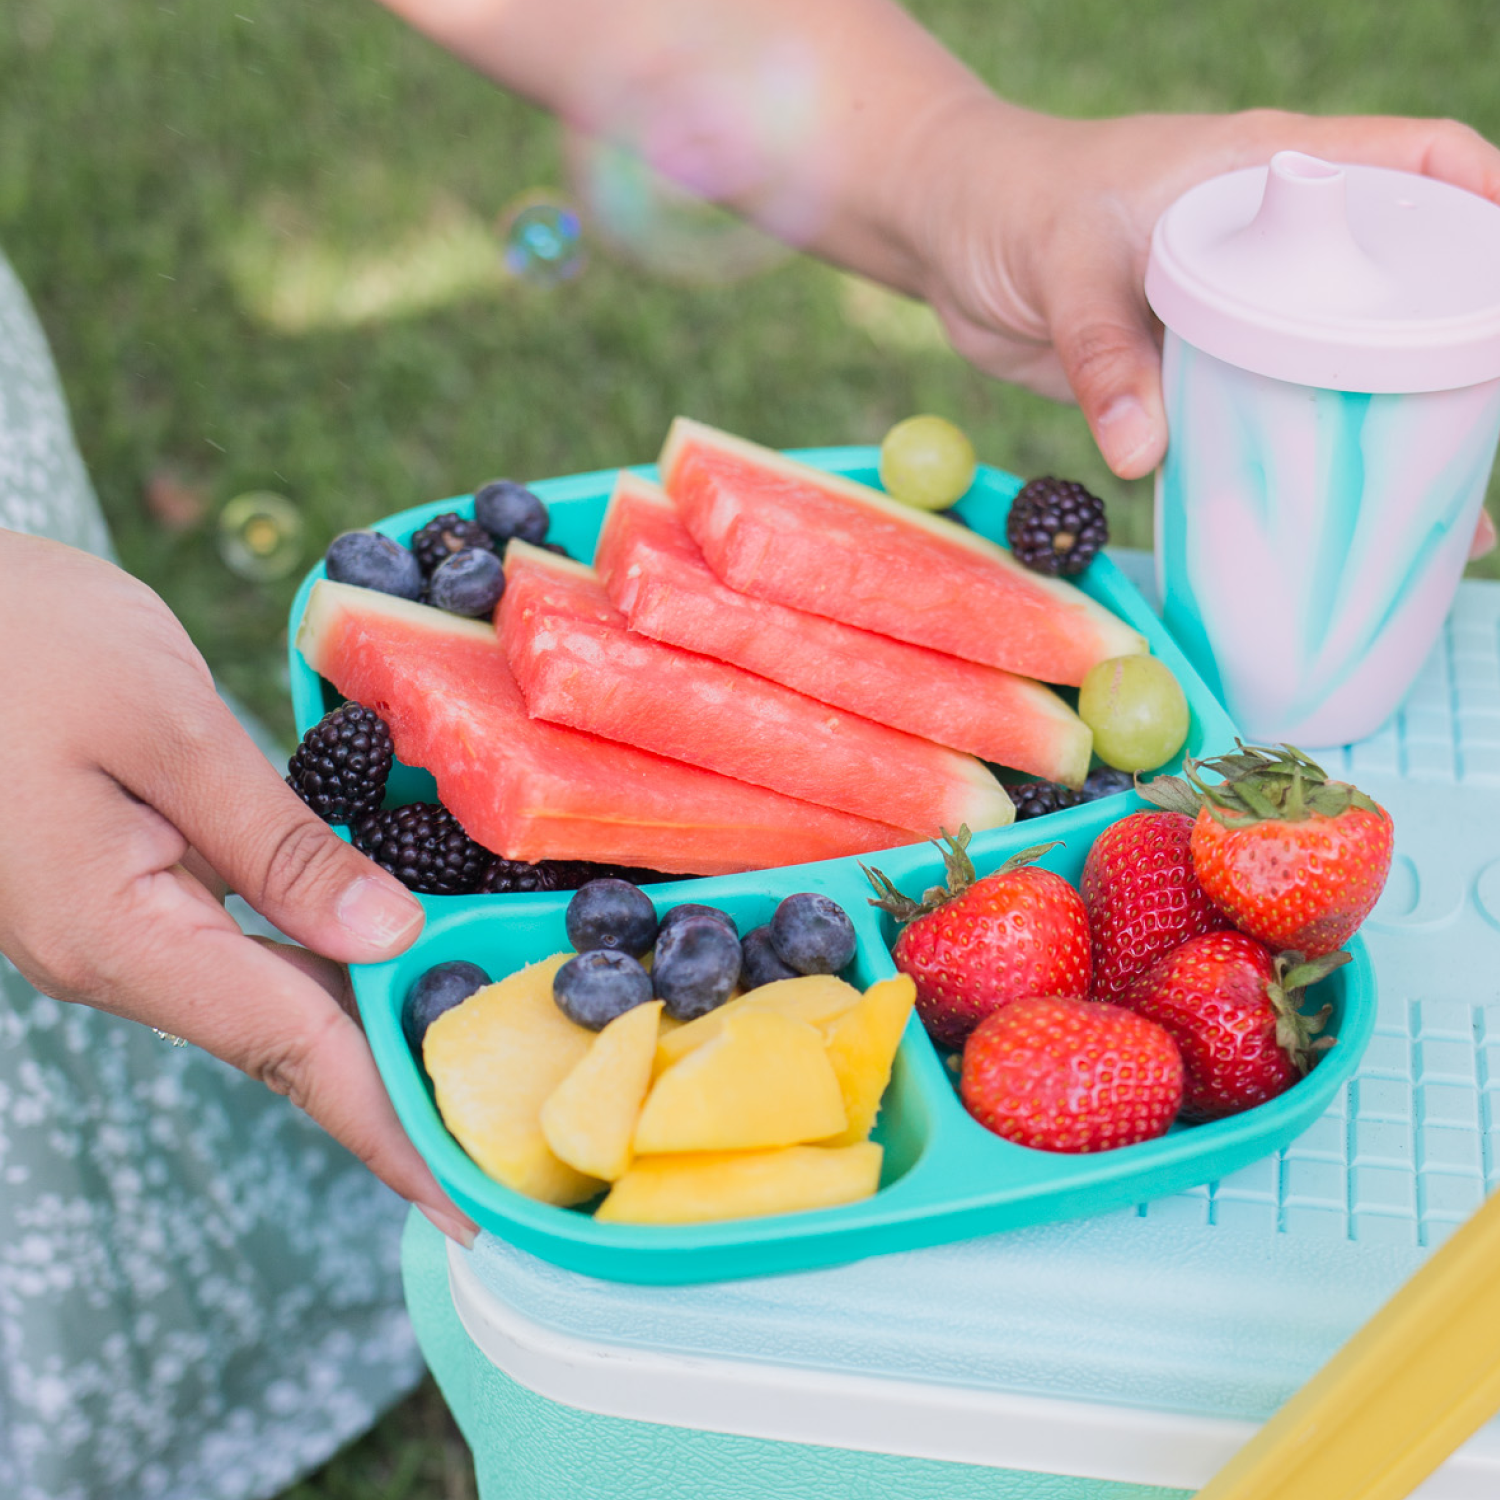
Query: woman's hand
{"x": 1033, "y": 234}
{"x": 1027, "y": 233}
{"x": 136, "y": 799}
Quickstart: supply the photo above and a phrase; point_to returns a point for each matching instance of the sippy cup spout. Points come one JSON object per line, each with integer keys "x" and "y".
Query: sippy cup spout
{"x": 1305, "y": 197}
{"x": 1299, "y": 251}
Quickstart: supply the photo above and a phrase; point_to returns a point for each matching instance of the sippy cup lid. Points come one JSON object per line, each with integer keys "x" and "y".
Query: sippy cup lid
{"x": 1347, "y": 277}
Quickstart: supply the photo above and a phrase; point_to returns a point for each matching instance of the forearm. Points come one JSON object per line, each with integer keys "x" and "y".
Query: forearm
{"x": 875, "y": 88}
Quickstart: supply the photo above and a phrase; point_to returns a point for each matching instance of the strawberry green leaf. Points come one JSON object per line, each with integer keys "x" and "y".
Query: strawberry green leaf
{"x": 960, "y": 872}
{"x": 1301, "y": 1035}
{"x": 1171, "y": 793}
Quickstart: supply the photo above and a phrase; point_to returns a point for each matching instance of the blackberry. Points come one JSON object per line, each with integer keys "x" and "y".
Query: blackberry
{"x": 441, "y": 537}
{"x": 341, "y": 766}
{"x": 516, "y": 877}
{"x": 1056, "y": 526}
{"x": 1035, "y": 799}
{"x": 633, "y": 873}
{"x": 424, "y": 847}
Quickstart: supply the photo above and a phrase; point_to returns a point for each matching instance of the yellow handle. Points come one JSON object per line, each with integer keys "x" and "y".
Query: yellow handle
{"x": 1399, "y": 1397}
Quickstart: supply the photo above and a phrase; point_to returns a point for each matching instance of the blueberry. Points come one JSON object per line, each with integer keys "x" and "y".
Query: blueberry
{"x": 696, "y": 967}
{"x": 441, "y": 988}
{"x": 1105, "y": 781}
{"x": 374, "y": 561}
{"x": 595, "y": 987}
{"x": 812, "y": 934}
{"x": 611, "y": 914}
{"x": 692, "y": 909}
{"x": 506, "y": 509}
{"x": 469, "y": 583}
{"x": 758, "y": 961}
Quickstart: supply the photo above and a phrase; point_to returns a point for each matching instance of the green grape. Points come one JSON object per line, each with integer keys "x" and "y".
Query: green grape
{"x": 1137, "y": 710}
{"x": 926, "y": 462}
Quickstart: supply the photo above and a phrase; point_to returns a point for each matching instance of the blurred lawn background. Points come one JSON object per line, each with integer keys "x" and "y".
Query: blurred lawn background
{"x": 260, "y": 236}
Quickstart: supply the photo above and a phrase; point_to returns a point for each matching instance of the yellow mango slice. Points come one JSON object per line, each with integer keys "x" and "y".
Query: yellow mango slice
{"x": 814, "y": 998}
{"x": 862, "y": 1047}
{"x": 589, "y": 1118}
{"x": 765, "y": 1080}
{"x": 741, "y": 1184}
{"x": 493, "y": 1060}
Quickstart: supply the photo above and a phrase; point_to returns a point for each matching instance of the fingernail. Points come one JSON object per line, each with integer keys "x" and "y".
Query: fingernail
{"x": 1125, "y": 431}
{"x": 375, "y": 913}
{"x": 455, "y": 1226}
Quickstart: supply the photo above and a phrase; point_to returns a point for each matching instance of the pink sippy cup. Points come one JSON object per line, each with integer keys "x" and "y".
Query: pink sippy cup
{"x": 1331, "y": 372}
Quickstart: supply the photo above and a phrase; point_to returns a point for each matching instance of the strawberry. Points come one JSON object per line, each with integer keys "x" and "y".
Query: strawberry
{"x": 975, "y": 945}
{"x": 1234, "y": 1011}
{"x": 1142, "y": 897}
{"x": 1063, "y": 1074}
{"x": 1292, "y": 858}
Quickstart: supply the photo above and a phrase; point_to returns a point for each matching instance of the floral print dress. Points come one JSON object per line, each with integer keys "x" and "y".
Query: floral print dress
{"x": 199, "y": 1289}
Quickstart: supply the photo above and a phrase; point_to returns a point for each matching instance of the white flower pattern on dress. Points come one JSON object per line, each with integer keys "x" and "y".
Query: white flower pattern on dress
{"x": 199, "y": 1290}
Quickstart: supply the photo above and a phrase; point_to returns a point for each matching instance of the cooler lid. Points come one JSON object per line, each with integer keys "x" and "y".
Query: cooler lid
{"x": 1351, "y": 278}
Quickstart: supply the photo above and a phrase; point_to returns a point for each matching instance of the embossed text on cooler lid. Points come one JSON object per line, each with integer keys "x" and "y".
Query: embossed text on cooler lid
{"x": 1347, "y": 277}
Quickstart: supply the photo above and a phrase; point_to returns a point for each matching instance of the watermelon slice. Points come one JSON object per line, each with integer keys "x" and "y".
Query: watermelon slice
{"x": 654, "y": 572}
{"x": 530, "y": 790}
{"x": 578, "y": 664}
{"x": 783, "y": 531}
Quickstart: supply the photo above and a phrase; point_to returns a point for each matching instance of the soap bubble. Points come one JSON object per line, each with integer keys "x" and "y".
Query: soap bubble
{"x": 725, "y": 115}
{"x": 260, "y": 536}
{"x": 652, "y": 222}
{"x": 541, "y": 240}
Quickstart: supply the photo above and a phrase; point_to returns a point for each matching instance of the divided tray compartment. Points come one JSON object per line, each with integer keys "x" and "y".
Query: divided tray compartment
{"x": 944, "y": 1176}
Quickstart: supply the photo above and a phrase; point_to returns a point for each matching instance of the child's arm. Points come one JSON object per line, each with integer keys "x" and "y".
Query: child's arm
{"x": 1027, "y": 233}
{"x": 139, "y": 799}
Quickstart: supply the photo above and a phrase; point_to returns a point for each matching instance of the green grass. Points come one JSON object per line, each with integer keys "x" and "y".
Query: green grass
{"x": 257, "y": 235}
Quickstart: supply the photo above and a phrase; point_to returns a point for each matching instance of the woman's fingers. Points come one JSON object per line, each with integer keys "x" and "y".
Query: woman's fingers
{"x": 332, "y": 977}
{"x": 205, "y": 776}
{"x": 274, "y": 1013}
{"x": 1088, "y": 277}
{"x": 140, "y": 791}
{"x": 1106, "y": 344}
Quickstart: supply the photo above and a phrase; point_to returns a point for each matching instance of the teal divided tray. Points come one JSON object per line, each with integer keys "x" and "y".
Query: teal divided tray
{"x": 945, "y": 1177}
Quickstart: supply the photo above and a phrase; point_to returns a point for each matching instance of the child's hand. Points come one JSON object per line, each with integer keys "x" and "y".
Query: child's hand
{"x": 1034, "y": 232}
{"x": 134, "y": 798}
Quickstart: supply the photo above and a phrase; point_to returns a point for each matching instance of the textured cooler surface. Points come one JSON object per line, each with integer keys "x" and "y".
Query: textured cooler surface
{"x": 1224, "y": 1299}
